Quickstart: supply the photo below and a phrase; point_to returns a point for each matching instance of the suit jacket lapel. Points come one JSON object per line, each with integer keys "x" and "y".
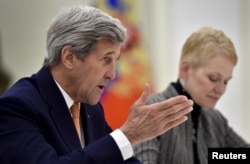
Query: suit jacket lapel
{"x": 59, "y": 110}
{"x": 87, "y": 125}
{"x": 65, "y": 126}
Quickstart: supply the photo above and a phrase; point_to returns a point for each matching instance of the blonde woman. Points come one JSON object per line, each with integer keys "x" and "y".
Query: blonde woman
{"x": 206, "y": 66}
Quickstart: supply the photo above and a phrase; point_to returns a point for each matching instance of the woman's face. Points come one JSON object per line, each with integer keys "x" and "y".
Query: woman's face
{"x": 207, "y": 83}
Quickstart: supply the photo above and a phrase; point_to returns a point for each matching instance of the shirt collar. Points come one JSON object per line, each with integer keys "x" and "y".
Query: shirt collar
{"x": 67, "y": 98}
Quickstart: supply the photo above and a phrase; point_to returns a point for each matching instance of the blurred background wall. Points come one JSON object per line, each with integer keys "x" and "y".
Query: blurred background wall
{"x": 165, "y": 24}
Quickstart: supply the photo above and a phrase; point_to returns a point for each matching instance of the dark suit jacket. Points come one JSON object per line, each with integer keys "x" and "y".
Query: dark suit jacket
{"x": 36, "y": 127}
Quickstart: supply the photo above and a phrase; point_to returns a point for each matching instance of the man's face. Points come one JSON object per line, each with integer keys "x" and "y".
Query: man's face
{"x": 208, "y": 83}
{"x": 94, "y": 72}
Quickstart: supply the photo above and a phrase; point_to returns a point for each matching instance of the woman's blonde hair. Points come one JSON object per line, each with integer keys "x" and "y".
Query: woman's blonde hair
{"x": 206, "y": 43}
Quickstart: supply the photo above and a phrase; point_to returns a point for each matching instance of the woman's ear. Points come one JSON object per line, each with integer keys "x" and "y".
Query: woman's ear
{"x": 184, "y": 68}
{"x": 67, "y": 57}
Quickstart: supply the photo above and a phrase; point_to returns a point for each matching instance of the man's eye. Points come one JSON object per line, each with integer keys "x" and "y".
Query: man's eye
{"x": 107, "y": 59}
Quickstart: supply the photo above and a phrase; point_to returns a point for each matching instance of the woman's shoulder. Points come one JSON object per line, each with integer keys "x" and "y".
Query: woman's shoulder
{"x": 163, "y": 95}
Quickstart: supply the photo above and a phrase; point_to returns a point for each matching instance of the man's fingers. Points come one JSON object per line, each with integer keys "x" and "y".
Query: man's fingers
{"x": 176, "y": 122}
{"x": 180, "y": 106}
{"x": 174, "y": 100}
{"x": 174, "y": 103}
{"x": 144, "y": 96}
{"x": 179, "y": 113}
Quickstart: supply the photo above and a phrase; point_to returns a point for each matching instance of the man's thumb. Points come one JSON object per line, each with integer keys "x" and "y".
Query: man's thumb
{"x": 144, "y": 96}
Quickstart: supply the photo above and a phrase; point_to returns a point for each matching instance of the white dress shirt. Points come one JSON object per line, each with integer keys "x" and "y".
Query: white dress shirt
{"x": 119, "y": 137}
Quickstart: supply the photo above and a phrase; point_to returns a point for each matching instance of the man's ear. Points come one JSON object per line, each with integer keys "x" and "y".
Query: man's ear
{"x": 184, "y": 68}
{"x": 67, "y": 57}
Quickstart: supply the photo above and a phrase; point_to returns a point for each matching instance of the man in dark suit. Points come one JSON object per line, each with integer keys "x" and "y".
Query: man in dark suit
{"x": 36, "y": 125}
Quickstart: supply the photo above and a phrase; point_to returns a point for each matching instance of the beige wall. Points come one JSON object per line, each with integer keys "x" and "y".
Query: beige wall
{"x": 23, "y": 27}
{"x": 245, "y": 6}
